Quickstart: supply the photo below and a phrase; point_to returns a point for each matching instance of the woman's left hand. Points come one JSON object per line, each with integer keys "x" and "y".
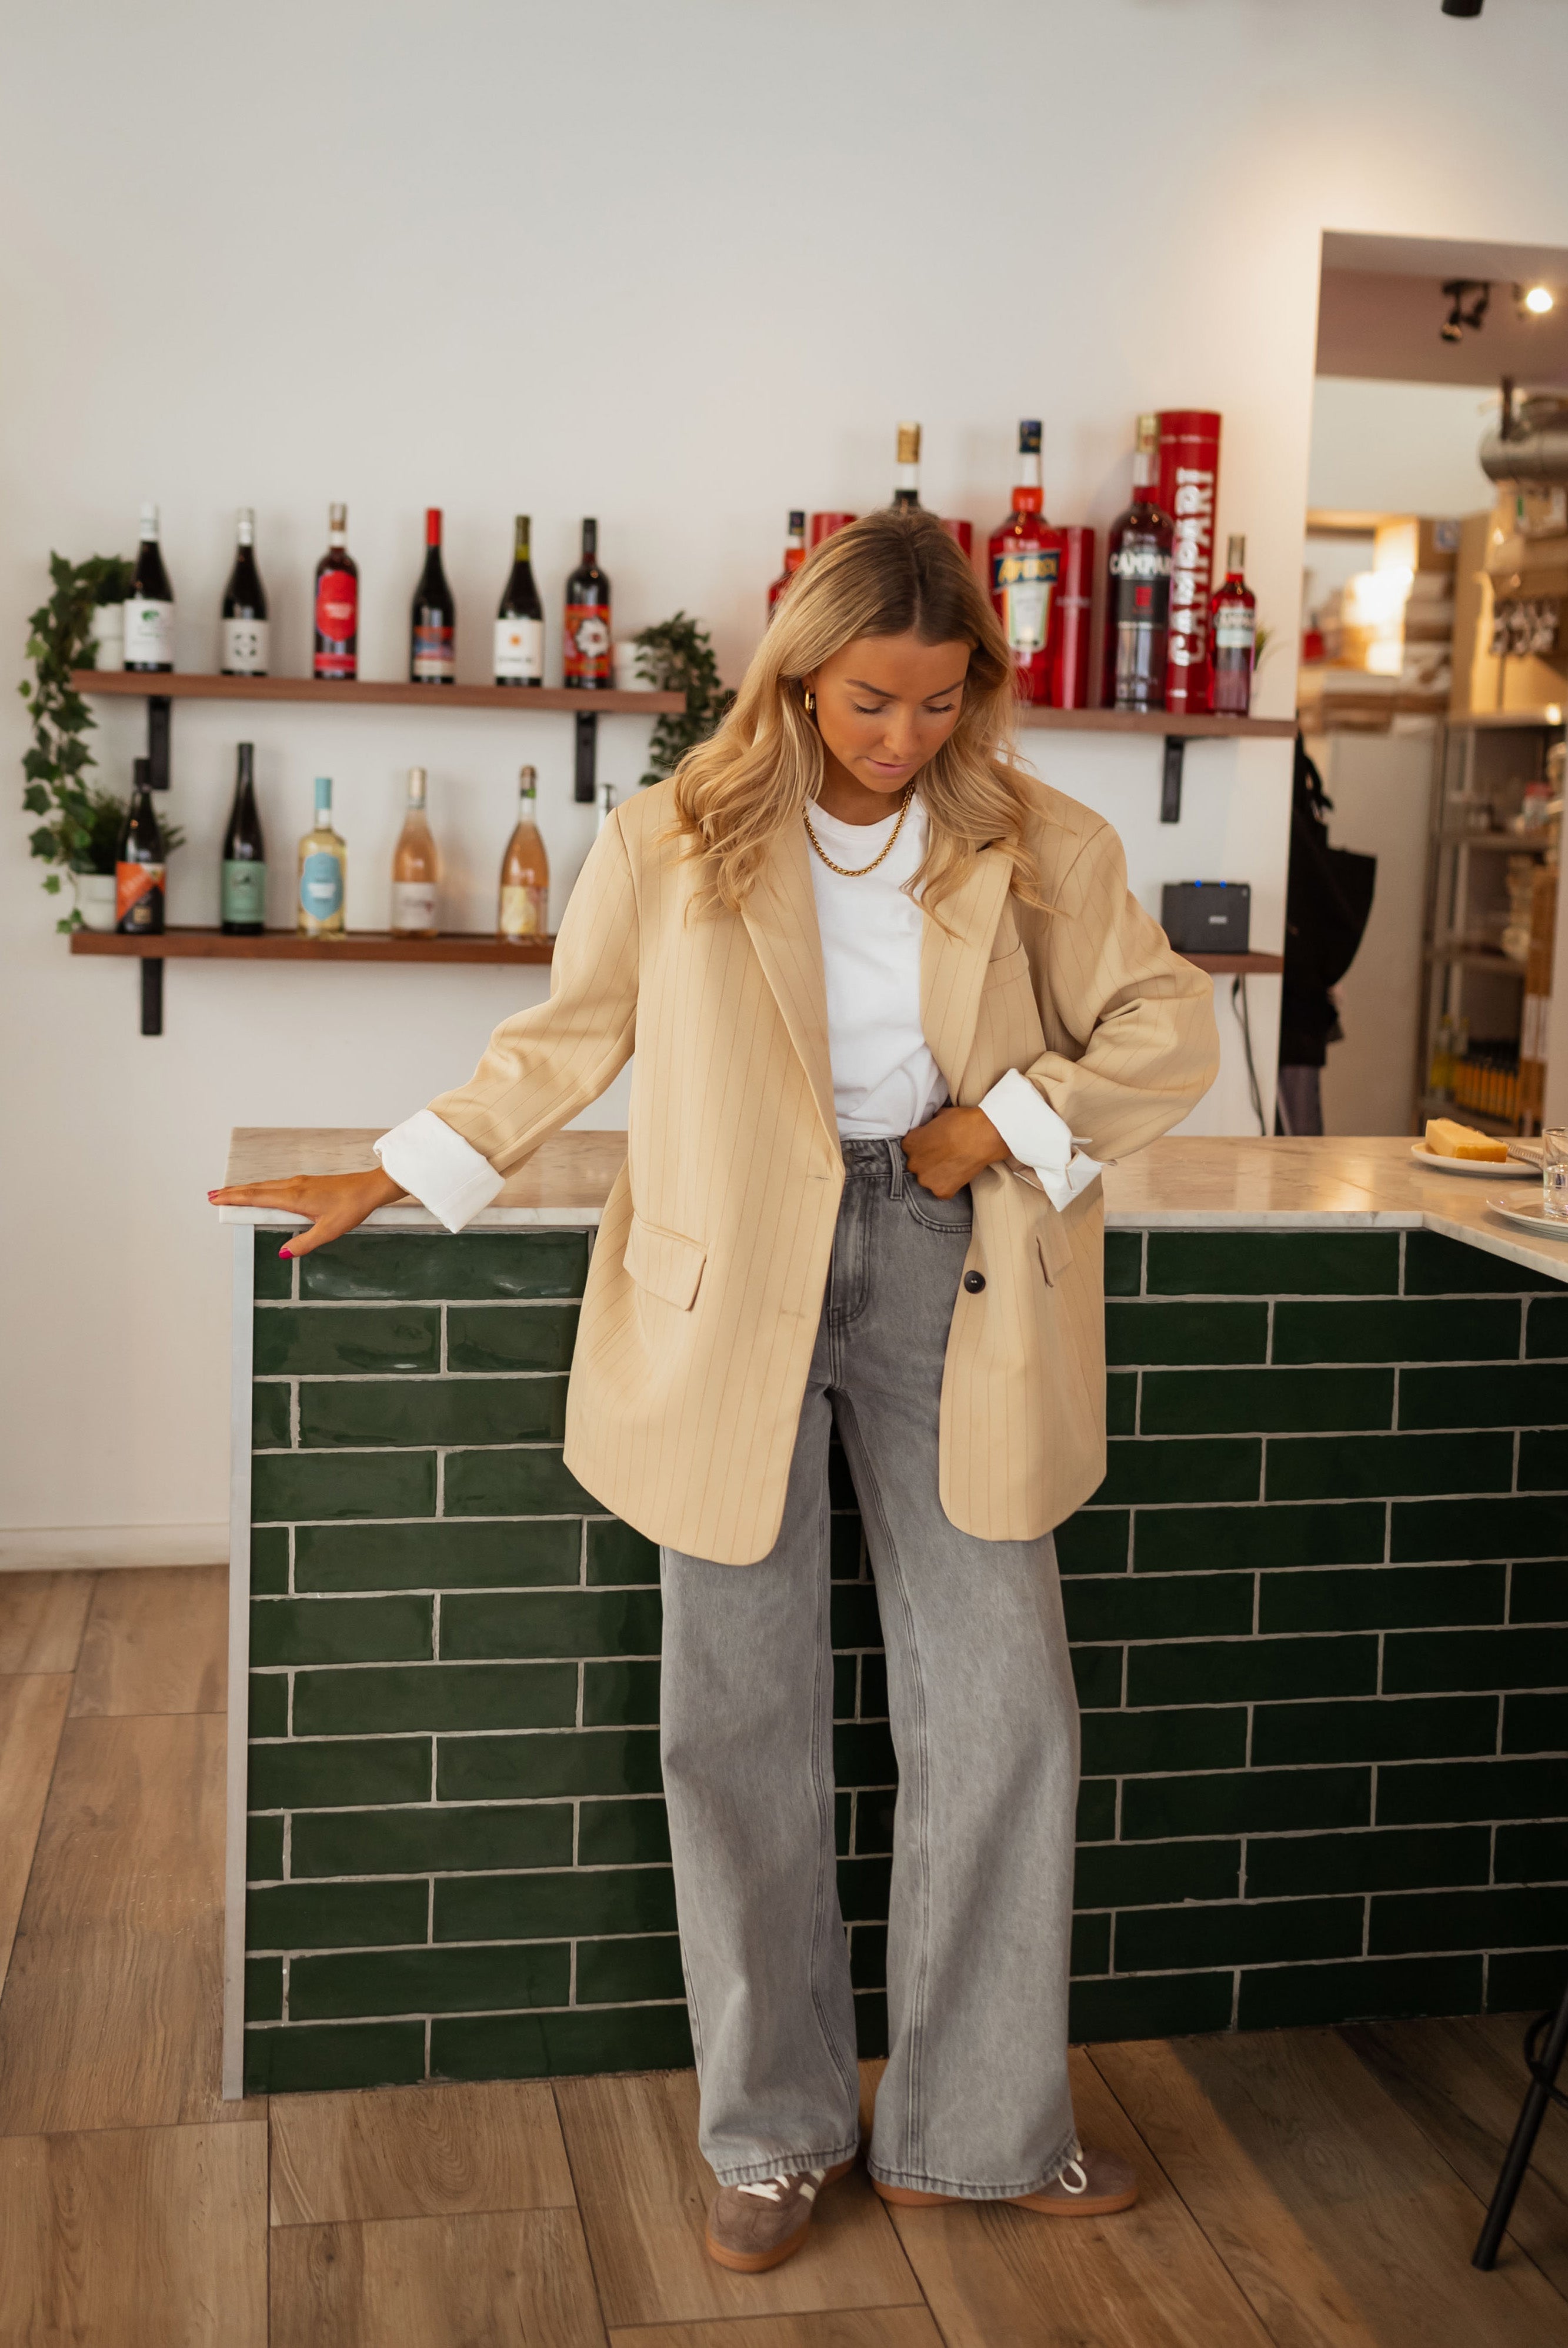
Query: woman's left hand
{"x": 951, "y": 1149}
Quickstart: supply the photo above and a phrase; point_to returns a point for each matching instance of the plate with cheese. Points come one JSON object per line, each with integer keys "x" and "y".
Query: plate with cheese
{"x": 1451, "y": 1148}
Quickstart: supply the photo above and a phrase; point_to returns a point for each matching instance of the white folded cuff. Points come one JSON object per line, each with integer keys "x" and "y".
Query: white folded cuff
{"x": 438, "y": 1168}
{"x": 1039, "y": 1139}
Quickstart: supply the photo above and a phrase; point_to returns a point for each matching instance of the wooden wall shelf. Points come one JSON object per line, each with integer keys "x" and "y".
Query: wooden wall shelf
{"x": 286, "y": 945}
{"x": 140, "y": 684}
{"x": 1161, "y": 722}
{"x": 1240, "y": 965}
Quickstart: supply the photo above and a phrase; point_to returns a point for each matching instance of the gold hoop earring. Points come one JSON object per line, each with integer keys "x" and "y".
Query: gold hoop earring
{"x": 810, "y": 702}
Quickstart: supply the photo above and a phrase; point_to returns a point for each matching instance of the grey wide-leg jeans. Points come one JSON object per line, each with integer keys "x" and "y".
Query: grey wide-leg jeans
{"x": 974, "y": 2098}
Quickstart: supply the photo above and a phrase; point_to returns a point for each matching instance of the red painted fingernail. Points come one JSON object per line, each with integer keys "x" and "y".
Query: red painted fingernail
{"x": 287, "y": 1252}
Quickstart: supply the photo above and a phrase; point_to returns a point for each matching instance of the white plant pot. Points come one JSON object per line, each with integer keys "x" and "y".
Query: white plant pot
{"x": 107, "y": 641}
{"x": 95, "y": 899}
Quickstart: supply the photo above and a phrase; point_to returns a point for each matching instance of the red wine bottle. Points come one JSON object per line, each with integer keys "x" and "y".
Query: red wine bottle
{"x": 520, "y": 620}
{"x": 337, "y": 604}
{"x": 150, "y": 606}
{"x": 244, "y": 614}
{"x": 140, "y": 861}
{"x": 586, "y": 661}
{"x": 242, "y": 902}
{"x": 1233, "y": 617}
{"x": 432, "y": 634}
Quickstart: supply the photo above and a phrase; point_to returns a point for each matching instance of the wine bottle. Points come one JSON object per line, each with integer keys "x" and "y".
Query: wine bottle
{"x": 525, "y": 908}
{"x": 1025, "y": 555}
{"x": 588, "y": 661}
{"x": 907, "y": 480}
{"x": 794, "y": 556}
{"x": 324, "y": 867}
{"x": 1233, "y": 632}
{"x": 141, "y": 860}
{"x": 415, "y": 867}
{"x": 243, "y": 894}
{"x": 520, "y": 619}
{"x": 1138, "y": 592}
{"x": 244, "y": 614}
{"x": 433, "y": 636}
{"x": 336, "y": 652}
{"x": 150, "y": 606}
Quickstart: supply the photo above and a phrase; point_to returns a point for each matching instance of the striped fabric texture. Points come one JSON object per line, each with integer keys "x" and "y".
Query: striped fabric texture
{"x": 707, "y": 1277}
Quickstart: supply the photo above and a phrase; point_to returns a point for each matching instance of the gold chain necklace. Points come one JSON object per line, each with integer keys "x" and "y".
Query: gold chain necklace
{"x": 857, "y": 872}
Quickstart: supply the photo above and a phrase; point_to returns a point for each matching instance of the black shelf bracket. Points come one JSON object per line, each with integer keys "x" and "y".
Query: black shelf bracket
{"x": 1171, "y": 780}
{"x": 587, "y": 771}
{"x": 157, "y": 708}
{"x": 152, "y": 995}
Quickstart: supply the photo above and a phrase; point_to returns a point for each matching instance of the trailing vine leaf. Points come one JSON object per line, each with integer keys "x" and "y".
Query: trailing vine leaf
{"x": 82, "y": 820}
{"x": 677, "y": 656}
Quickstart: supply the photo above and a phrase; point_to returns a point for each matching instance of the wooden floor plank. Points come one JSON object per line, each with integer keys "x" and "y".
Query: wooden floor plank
{"x": 41, "y": 1619}
{"x": 508, "y": 2279}
{"x": 842, "y": 2327}
{"x": 135, "y": 2239}
{"x": 31, "y": 1712}
{"x": 157, "y": 1639}
{"x": 417, "y": 2152}
{"x": 1337, "y": 2217}
{"x": 644, "y": 2189}
{"x": 111, "y": 2015}
{"x": 1462, "y": 2082}
{"x": 1001, "y": 2278}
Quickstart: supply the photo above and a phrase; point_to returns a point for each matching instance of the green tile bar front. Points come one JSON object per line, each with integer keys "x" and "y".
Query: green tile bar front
{"x": 1319, "y": 1610}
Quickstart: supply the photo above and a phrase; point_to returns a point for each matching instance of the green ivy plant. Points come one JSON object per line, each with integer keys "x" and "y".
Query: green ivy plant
{"x": 677, "y": 656}
{"x": 81, "y": 826}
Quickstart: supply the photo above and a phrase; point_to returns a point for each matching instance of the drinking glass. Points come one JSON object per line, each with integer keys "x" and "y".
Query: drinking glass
{"x": 1555, "y": 1173}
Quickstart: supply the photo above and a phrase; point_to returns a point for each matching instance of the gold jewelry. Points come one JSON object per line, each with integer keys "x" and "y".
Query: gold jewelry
{"x": 810, "y": 702}
{"x": 856, "y": 871}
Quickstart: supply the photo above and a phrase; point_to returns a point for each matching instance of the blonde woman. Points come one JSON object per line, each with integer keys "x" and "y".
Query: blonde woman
{"x": 892, "y": 1006}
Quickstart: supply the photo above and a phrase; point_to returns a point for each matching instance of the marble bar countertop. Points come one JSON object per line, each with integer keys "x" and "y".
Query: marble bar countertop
{"x": 1231, "y": 1183}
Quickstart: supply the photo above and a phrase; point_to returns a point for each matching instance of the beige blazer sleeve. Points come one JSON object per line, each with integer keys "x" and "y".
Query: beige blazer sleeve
{"x": 1132, "y": 1023}
{"x": 544, "y": 1064}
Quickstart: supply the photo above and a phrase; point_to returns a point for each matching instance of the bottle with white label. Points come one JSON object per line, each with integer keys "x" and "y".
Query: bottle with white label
{"x": 520, "y": 620}
{"x": 324, "y": 867}
{"x": 150, "y": 606}
{"x": 415, "y": 867}
{"x": 244, "y": 615}
{"x": 525, "y": 908}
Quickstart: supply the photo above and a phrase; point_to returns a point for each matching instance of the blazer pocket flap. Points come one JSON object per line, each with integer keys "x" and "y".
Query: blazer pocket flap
{"x": 1055, "y": 1244}
{"x": 666, "y": 1264}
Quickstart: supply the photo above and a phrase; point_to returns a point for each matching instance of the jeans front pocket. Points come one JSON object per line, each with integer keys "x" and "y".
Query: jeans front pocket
{"x": 956, "y": 1214}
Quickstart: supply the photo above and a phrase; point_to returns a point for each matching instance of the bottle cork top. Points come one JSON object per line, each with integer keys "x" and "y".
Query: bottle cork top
{"x": 909, "y": 444}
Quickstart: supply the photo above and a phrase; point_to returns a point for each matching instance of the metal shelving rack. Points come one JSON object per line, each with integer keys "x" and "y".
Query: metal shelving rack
{"x": 1482, "y": 762}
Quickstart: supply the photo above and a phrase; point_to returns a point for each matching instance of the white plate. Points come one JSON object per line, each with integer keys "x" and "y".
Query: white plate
{"x": 1509, "y": 1169}
{"x": 1533, "y": 1218}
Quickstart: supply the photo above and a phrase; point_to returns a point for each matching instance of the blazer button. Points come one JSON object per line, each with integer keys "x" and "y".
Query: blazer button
{"x": 974, "y": 1281}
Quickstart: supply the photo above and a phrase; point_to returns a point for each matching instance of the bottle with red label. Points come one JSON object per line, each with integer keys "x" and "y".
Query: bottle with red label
{"x": 1025, "y": 557}
{"x": 1138, "y": 588}
{"x": 587, "y": 660}
{"x": 140, "y": 862}
{"x": 433, "y": 625}
{"x": 336, "y": 652}
{"x": 795, "y": 555}
{"x": 1233, "y": 623}
{"x": 1189, "y": 480}
{"x": 1071, "y": 601}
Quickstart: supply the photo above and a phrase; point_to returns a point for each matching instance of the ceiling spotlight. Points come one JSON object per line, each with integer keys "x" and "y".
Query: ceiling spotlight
{"x": 1536, "y": 299}
{"x": 1460, "y": 312}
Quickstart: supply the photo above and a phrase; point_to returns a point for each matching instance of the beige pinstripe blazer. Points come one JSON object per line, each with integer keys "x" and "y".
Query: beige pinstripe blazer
{"x": 708, "y": 1275}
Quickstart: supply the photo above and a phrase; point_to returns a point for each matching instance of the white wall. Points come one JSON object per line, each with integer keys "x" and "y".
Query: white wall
{"x": 1399, "y": 447}
{"x": 679, "y": 267}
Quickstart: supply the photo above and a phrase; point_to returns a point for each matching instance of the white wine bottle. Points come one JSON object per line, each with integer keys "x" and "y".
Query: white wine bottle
{"x": 323, "y": 869}
{"x": 525, "y": 911}
{"x": 415, "y": 867}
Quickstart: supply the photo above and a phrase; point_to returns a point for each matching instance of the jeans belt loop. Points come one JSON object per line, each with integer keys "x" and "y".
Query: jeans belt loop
{"x": 895, "y": 1169}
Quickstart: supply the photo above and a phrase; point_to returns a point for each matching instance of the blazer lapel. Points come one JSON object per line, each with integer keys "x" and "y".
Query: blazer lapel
{"x": 953, "y": 968}
{"x": 780, "y": 916}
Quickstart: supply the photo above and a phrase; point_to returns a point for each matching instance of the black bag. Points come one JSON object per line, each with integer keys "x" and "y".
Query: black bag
{"x": 1328, "y": 901}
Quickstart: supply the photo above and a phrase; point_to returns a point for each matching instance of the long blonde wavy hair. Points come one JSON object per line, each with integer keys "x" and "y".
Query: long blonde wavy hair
{"x": 893, "y": 574}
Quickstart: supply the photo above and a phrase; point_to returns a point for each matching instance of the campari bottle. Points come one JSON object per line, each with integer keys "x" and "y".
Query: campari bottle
{"x": 1138, "y": 590}
{"x": 1233, "y": 622}
{"x": 1024, "y": 559}
{"x": 795, "y": 555}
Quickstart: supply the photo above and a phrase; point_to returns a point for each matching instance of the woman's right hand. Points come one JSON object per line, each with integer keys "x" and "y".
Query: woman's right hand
{"x": 333, "y": 1203}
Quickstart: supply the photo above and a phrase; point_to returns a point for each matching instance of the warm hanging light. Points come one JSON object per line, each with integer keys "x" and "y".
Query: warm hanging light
{"x": 1537, "y": 300}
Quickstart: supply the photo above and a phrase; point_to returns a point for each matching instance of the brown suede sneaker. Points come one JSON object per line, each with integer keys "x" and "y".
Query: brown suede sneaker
{"x": 1093, "y": 2185}
{"x": 751, "y": 2227}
